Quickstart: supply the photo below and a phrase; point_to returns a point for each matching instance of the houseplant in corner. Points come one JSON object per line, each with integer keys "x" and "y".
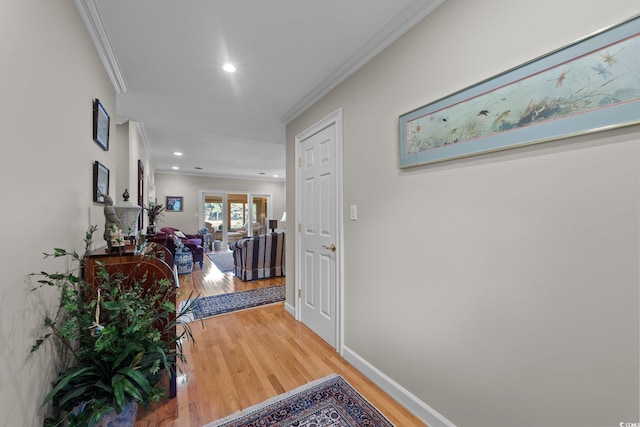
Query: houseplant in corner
{"x": 107, "y": 338}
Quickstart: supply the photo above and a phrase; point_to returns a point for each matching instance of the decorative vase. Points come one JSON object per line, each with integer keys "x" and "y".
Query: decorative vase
{"x": 126, "y": 418}
{"x": 128, "y": 215}
{"x": 151, "y": 229}
{"x": 184, "y": 262}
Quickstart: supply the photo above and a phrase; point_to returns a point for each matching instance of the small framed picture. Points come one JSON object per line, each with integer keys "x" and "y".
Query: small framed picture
{"x": 100, "y": 182}
{"x": 174, "y": 203}
{"x": 101, "y": 122}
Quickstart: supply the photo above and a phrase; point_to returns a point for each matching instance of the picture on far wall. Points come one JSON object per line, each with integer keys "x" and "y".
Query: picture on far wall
{"x": 101, "y": 122}
{"x": 100, "y": 181}
{"x": 174, "y": 203}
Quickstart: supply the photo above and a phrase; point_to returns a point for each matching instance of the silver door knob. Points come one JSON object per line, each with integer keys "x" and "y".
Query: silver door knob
{"x": 331, "y": 247}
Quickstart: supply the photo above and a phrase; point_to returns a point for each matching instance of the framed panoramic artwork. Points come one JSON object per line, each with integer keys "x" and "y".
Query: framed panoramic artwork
{"x": 588, "y": 86}
{"x": 174, "y": 203}
{"x": 100, "y": 181}
{"x": 101, "y": 121}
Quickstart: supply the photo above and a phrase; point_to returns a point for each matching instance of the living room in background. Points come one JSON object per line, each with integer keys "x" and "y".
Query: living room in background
{"x": 227, "y": 215}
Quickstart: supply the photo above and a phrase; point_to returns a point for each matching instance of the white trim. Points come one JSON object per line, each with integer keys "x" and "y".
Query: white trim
{"x": 202, "y": 193}
{"x": 90, "y": 14}
{"x": 334, "y": 118}
{"x": 416, "y": 406}
{"x": 220, "y": 176}
{"x": 290, "y": 309}
{"x": 387, "y": 35}
{"x": 340, "y": 225}
{"x": 142, "y": 132}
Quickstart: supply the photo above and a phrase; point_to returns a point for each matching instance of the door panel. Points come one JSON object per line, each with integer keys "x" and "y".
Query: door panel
{"x": 308, "y": 291}
{"x": 318, "y": 237}
{"x": 308, "y": 219}
{"x": 326, "y": 306}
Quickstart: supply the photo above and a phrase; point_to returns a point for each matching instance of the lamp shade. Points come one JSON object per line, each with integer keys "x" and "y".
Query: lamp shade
{"x": 284, "y": 217}
{"x": 273, "y": 224}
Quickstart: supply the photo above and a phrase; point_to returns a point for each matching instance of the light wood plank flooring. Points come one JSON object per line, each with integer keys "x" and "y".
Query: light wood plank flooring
{"x": 243, "y": 358}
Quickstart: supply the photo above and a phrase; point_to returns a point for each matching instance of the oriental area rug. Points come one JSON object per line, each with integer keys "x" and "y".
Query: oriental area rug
{"x": 222, "y": 260}
{"x": 329, "y": 402}
{"x": 226, "y": 303}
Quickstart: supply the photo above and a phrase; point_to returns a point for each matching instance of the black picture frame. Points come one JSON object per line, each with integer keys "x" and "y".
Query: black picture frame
{"x": 101, "y": 122}
{"x": 175, "y": 204}
{"x": 100, "y": 181}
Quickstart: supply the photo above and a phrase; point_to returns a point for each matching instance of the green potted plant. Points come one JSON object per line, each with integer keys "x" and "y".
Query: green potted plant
{"x": 109, "y": 341}
{"x": 154, "y": 211}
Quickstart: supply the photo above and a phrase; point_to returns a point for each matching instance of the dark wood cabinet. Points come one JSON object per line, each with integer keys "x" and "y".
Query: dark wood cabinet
{"x": 134, "y": 264}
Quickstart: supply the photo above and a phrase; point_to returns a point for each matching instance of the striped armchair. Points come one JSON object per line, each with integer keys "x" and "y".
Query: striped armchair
{"x": 259, "y": 257}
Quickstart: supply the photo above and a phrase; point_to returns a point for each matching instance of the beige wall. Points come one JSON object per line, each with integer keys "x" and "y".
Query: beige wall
{"x": 50, "y": 76}
{"x": 505, "y": 287}
{"x": 191, "y": 186}
{"x": 133, "y": 148}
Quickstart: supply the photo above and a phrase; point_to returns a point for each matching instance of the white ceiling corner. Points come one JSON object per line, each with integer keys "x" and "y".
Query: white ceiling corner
{"x": 163, "y": 59}
{"x": 90, "y": 16}
{"x": 394, "y": 30}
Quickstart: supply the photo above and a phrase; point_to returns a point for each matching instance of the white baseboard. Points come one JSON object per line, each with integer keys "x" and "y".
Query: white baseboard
{"x": 290, "y": 309}
{"x": 403, "y": 396}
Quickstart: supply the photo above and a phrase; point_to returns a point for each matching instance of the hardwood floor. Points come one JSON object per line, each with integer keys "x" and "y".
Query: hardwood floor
{"x": 243, "y": 358}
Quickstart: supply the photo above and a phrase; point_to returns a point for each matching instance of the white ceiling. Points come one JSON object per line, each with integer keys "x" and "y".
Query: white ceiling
{"x": 164, "y": 58}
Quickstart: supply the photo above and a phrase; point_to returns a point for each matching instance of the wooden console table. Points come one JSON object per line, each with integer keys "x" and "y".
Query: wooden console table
{"x": 130, "y": 262}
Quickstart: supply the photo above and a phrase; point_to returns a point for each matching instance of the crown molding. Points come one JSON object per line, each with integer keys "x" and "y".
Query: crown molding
{"x": 90, "y": 14}
{"x": 281, "y": 179}
{"x": 390, "y": 33}
{"x": 143, "y": 136}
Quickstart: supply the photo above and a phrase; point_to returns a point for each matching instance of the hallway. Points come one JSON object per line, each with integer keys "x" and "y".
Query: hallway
{"x": 243, "y": 358}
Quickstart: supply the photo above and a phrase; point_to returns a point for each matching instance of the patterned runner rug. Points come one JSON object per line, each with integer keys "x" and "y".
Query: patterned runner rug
{"x": 226, "y": 303}
{"x": 329, "y": 402}
{"x": 223, "y": 260}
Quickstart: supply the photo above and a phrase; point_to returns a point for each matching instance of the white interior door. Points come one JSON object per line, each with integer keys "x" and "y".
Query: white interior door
{"x": 318, "y": 295}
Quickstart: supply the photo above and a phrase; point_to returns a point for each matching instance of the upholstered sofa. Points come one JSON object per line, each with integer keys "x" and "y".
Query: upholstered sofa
{"x": 234, "y": 234}
{"x": 190, "y": 241}
{"x": 259, "y": 257}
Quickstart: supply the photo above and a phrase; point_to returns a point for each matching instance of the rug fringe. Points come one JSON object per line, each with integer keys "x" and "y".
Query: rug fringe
{"x": 271, "y": 401}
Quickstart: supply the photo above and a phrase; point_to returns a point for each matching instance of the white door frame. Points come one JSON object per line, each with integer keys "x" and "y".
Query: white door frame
{"x": 224, "y": 194}
{"x": 334, "y": 118}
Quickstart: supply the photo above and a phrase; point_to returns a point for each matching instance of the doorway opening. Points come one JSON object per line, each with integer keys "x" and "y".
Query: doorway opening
{"x": 231, "y": 216}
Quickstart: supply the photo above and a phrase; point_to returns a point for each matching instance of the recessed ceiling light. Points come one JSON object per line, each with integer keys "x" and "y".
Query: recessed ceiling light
{"x": 177, "y": 153}
{"x": 175, "y": 168}
{"x": 229, "y": 68}
{"x": 275, "y": 176}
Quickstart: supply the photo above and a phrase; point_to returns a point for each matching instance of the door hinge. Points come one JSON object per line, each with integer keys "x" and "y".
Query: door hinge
{"x": 299, "y": 293}
{"x": 299, "y": 227}
{"x": 299, "y": 162}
